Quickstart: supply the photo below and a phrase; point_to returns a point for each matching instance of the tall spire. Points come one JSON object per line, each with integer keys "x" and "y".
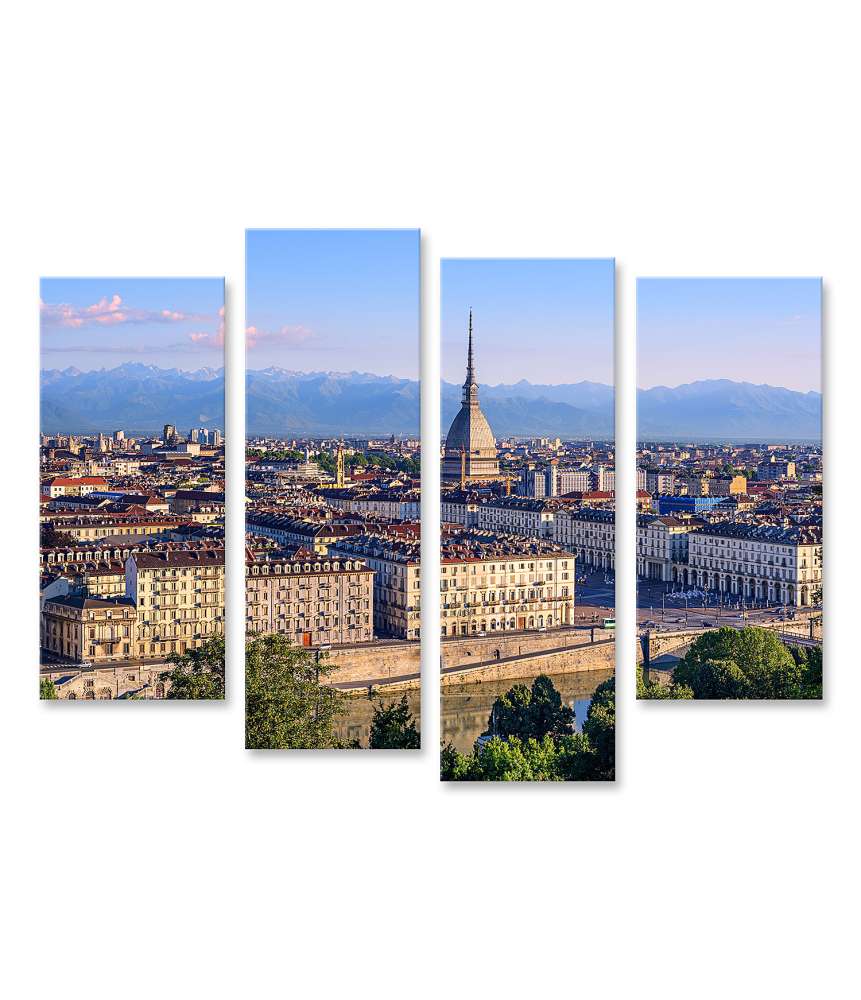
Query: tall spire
{"x": 470, "y": 372}
{"x": 470, "y": 386}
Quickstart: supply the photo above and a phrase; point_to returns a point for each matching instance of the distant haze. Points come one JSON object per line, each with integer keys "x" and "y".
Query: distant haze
{"x": 756, "y": 330}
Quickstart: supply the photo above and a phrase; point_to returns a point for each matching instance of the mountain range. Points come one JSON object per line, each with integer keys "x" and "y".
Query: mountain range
{"x": 525, "y": 409}
{"x": 297, "y": 404}
{"x": 134, "y": 397}
{"x": 142, "y": 398}
{"x": 720, "y": 408}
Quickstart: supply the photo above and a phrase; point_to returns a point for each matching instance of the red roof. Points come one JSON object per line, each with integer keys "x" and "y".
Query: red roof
{"x": 80, "y": 481}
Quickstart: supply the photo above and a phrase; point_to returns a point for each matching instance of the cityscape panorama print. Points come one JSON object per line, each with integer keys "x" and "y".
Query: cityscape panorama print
{"x": 527, "y": 569}
{"x": 333, "y": 490}
{"x": 729, "y": 488}
{"x": 131, "y": 495}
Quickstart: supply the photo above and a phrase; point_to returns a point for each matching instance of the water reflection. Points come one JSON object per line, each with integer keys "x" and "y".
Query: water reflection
{"x": 466, "y": 707}
{"x": 356, "y": 724}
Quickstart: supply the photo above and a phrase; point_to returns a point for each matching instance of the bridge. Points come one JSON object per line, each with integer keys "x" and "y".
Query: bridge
{"x": 667, "y": 647}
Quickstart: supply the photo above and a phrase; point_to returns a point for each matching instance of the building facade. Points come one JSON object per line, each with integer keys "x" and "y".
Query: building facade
{"x": 313, "y": 601}
{"x": 782, "y": 565}
{"x": 179, "y": 596}
{"x": 499, "y": 583}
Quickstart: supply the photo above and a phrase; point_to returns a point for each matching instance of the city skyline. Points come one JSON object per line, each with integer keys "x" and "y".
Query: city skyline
{"x": 562, "y": 306}
{"x": 102, "y": 323}
{"x": 763, "y": 331}
{"x": 333, "y": 300}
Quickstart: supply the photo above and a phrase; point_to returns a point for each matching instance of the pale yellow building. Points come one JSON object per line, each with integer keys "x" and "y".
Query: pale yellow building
{"x": 179, "y": 598}
{"x": 87, "y": 629}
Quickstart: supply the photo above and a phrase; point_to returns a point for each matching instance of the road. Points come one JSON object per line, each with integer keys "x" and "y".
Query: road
{"x": 660, "y": 608}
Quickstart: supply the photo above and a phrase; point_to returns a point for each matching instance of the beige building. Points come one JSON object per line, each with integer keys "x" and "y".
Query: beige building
{"x": 489, "y": 582}
{"x": 97, "y": 527}
{"x": 310, "y": 533}
{"x": 661, "y": 543}
{"x": 179, "y": 596}
{"x": 65, "y": 486}
{"x": 499, "y": 583}
{"x": 96, "y": 578}
{"x": 94, "y": 630}
{"x": 783, "y": 565}
{"x": 590, "y": 534}
{"x": 397, "y": 581}
{"x": 518, "y": 516}
{"x": 727, "y": 486}
{"x": 314, "y": 601}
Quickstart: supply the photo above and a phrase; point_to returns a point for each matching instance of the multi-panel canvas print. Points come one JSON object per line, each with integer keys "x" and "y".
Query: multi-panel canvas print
{"x": 527, "y": 569}
{"x": 333, "y": 462}
{"x": 729, "y": 488}
{"x": 131, "y": 498}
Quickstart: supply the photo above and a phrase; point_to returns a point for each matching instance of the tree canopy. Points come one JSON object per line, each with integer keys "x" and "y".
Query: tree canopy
{"x": 749, "y": 663}
{"x": 655, "y": 691}
{"x": 286, "y": 705}
{"x": 198, "y": 674}
{"x": 393, "y": 727}
{"x": 534, "y": 739}
{"x": 47, "y": 689}
{"x": 51, "y": 538}
{"x": 531, "y": 713}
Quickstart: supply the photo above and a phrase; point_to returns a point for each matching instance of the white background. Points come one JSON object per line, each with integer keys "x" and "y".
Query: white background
{"x": 146, "y": 853}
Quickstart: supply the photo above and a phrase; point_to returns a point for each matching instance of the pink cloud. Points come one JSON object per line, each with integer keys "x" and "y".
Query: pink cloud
{"x": 106, "y": 312}
{"x": 210, "y": 339}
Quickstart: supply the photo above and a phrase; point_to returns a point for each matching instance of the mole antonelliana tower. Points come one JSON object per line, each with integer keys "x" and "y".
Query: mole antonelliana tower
{"x": 470, "y": 447}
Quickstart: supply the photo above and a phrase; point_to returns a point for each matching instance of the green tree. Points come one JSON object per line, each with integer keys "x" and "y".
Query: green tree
{"x": 531, "y": 713}
{"x": 809, "y": 658}
{"x": 599, "y": 729}
{"x": 746, "y": 663}
{"x": 286, "y": 705}
{"x": 393, "y": 727}
{"x": 653, "y": 690}
{"x": 558, "y": 756}
{"x": 198, "y": 674}
{"x": 47, "y": 689}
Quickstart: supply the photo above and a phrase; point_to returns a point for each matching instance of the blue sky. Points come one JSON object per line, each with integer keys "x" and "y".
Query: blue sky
{"x": 760, "y": 330}
{"x": 92, "y": 323}
{"x": 333, "y": 300}
{"x": 547, "y": 321}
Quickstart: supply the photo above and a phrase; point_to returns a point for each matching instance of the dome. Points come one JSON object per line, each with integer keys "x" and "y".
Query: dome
{"x": 471, "y": 432}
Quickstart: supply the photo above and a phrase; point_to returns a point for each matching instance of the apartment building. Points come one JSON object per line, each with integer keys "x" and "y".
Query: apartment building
{"x": 497, "y": 583}
{"x": 313, "y": 601}
{"x": 179, "y": 596}
{"x": 518, "y": 515}
{"x": 396, "y": 566}
{"x": 590, "y": 534}
{"x": 772, "y": 563}
{"x": 96, "y": 630}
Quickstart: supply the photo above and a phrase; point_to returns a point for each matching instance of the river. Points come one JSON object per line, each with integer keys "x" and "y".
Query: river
{"x": 466, "y": 707}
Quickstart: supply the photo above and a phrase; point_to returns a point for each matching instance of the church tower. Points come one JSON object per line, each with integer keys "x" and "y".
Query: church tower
{"x": 470, "y": 448}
